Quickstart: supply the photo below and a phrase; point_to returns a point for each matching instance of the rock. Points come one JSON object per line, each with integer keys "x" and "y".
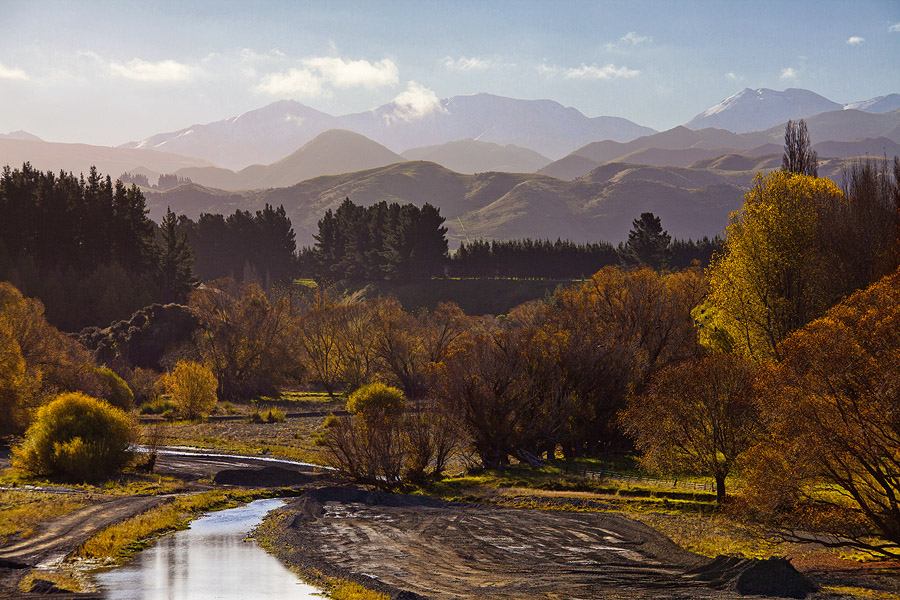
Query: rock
{"x": 264, "y": 477}
{"x": 773, "y": 577}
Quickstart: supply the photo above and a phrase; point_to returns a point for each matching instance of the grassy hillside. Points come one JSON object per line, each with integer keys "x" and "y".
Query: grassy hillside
{"x": 691, "y": 203}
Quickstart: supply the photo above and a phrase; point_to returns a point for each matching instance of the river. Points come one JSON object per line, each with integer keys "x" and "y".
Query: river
{"x": 211, "y": 560}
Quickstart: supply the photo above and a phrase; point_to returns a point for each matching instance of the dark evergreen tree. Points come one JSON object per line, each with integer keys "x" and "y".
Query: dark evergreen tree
{"x": 175, "y": 267}
{"x": 648, "y": 243}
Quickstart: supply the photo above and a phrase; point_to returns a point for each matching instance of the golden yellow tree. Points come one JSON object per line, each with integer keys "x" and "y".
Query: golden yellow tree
{"x": 193, "y": 388}
{"x": 773, "y": 276}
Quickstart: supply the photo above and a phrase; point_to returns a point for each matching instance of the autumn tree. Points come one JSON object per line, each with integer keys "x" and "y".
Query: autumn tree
{"x": 696, "y": 416}
{"x": 52, "y": 361}
{"x": 482, "y": 381}
{"x": 799, "y": 157}
{"x": 313, "y": 339}
{"x": 831, "y": 407}
{"x": 797, "y": 247}
{"x": 17, "y": 386}
{"x": 244, "y": 337}
{"x": 610, "y": 335}
{"x": 381, "y": 446}
{"x": 407, "y": 345}
{"x": 773, "y": 275}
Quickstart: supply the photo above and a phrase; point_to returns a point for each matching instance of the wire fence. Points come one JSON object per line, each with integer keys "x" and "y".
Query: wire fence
{"x": 637, "y": 479}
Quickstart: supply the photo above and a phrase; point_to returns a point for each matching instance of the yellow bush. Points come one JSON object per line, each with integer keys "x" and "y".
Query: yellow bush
{"x": 193, "y": 388}
{"x": 77, "y": 438}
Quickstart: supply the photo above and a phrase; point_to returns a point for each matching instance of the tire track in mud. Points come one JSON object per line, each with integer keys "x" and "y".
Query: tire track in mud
{"x": 452, "y": 552}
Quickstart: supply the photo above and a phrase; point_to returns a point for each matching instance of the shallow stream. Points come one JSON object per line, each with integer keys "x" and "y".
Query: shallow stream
{"x": 211, "y": 560}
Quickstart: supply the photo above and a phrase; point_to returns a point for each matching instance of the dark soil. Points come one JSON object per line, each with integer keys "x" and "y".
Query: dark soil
{"x": 450, "y": 551}
{"x": 263, "y": 477}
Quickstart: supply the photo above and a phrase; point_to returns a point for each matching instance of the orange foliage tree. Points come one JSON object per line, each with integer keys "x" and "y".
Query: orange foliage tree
{"x": 696, "y": 416}
{"x": 833, "y": 410}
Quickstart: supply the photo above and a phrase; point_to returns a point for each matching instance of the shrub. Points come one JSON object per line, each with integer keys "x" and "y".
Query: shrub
{"x": 375, "y": 402}
{"x": 158, "y": 407}
{"x": 77, "y": 438}
{"x": 193, "y": 388}
{"x": 144, "y": 384}
{"x": 116, "y": 391}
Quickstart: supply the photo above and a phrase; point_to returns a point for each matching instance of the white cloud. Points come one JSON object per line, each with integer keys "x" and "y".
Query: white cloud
{"x": 629, "y": 40}
{"x": 789, "y": 73}
{"x": 293, "y": 82}
{"x": 607, "y": 71}
{"x": 855, "y": 40}
{"x": 465, "y": 64}
{"x": 547, "y": 70}
{"x": 415, "y": 102}
{"x": 164, "y": 71}
{"x": 317, "y": 74}
{"x": 731, "y": 76}
{"x": 12, "y": 73}
{"x": 354, "y": 73}
{"x": 895, "y": 27}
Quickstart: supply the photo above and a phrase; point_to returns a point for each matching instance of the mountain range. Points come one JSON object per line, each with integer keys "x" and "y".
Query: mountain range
{"x": 845, "y": 133}
{"x": 274, "y": 131}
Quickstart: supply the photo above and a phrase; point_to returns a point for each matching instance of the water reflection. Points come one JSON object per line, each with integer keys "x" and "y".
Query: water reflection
{"x": 211, "y": 560}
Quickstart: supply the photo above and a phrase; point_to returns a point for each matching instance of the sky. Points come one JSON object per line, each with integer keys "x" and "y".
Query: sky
{"x": 111, "y": 72}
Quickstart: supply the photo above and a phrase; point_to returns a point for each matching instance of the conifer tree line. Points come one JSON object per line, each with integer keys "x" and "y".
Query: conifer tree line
{"x": 86, "y": 247}
{"x": 398, "y": 242}
{"x": 258, "y": 247}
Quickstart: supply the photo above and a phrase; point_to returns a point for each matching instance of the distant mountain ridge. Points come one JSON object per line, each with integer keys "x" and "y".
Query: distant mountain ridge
{"x": 839, "y": 133}
{"x": 272, "y": 132}
{"x": 755, "y": 110}
{"x": 332, "y": 152}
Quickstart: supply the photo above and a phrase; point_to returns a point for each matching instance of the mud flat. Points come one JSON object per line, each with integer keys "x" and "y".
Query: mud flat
{"x": 411, "y": 547}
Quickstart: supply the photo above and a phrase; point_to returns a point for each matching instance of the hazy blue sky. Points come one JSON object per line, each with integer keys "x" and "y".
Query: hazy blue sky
{"x": 110, "y": 72}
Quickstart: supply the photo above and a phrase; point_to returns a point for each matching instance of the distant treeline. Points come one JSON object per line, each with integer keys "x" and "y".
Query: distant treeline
{"x": 257, "y": 248}
{"x": 165, "y": 181}
{"x": 561, "y": 259}
{"x": 85, "y": 247}
{"x": 531, "y": 259}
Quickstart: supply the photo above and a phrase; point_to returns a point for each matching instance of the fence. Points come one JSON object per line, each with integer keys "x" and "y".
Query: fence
{"x": 637, "y": 479}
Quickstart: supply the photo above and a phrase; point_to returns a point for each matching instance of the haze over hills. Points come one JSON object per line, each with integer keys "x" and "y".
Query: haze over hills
{"x": 78, "y": 158}
{"x": 472, "y": 156}
{"x": 703, "y": 143}
{"x": 274, "y": 131}
{"x": 330, "y": 153}
{"x": 20, "y": 135}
